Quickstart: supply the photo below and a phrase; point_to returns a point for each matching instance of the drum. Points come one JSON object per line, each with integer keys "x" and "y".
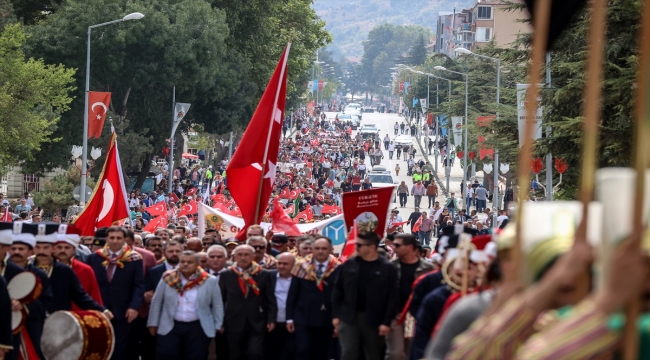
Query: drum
{"x": 25, "y": 287}
{"x": 17, "y": 321}
{"x": 77, "y": 335}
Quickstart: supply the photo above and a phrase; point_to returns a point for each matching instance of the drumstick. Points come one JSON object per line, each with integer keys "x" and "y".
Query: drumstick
{"x": 641, "y": 162}
{"x": 592, "y": 109}
{"x": 541, "y": 20}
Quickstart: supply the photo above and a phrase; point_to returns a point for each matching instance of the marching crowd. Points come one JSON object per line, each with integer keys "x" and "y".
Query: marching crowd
{"x": 438, "y": 291}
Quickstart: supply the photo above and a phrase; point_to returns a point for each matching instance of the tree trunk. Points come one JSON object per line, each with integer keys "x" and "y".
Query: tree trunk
{"x": 144, "y": 171}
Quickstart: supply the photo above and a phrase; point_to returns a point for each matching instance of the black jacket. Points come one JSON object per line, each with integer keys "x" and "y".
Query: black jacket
{"x": 67, "y": 289}
{"x": 125, "y": 291}
{"x": 258, "y": 310}
{"x": 413, "y": 218}
{"x": 6, "y": 339}
{"x": 383, "y": 295}
{"x": 153, "y": 277}
{"x": 307, "y": 305}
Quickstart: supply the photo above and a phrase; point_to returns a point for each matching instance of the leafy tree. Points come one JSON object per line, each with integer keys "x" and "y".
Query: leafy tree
{"x": 32, "y": 11}
{"x": 56, "y": 194}
{"x": 7, "y": 15}
{"x": 32, "y": 95}
{"x": 418, "y": 52}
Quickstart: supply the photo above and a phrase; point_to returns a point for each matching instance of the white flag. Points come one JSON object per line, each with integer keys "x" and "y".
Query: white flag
{"x": 457, "y": 128}
{"x": 424, "y": 104}
{"x": 181, "y": 110}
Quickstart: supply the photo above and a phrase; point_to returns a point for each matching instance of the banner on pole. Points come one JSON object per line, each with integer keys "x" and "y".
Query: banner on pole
{"x": 457, "y": 128}
{"x": 521, "y": 114}
{"x": 423, "y": 103}
{"x": 368, "y": 209}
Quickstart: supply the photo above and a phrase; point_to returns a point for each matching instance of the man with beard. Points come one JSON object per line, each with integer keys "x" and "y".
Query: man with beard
{"x": 217, "y": 263}
{"x": 64, "y": 251}
{"x": 67, "y": 289}
{"x": 155, "y": 245}
{"x": 22, "y": 247}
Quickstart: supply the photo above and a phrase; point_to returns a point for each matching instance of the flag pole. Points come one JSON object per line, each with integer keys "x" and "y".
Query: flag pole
{"x": 541, "y": 20}
{"x": 641, "y": 161}
{"x": 268, "y": 136}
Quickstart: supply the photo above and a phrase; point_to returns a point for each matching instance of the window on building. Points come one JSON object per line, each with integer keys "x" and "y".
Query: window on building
{"x": 483, "y": 34}
{"x": 484, "y": 13}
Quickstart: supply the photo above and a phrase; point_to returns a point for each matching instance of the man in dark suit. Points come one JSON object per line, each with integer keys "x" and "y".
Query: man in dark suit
{"x": 67, "y": 288}
{"x": 119, "y": 272}
{"x": 309, "y": 306}
{"x": 365, "y": 300}
{"x": 250, "y": 305}
{"x": 280, "y": 343}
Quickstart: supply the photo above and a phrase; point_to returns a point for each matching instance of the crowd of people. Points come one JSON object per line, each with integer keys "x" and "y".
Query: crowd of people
{"x": 438, "y": 291}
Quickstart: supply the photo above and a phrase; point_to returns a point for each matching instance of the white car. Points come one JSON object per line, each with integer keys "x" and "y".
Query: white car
{"x": 382, "y": 178}
{"x": 403, "y": 140}
{"x": 345, "y": 117}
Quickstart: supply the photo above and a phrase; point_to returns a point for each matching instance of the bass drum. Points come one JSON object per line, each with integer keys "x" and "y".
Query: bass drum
{"x": 77, "y": 335}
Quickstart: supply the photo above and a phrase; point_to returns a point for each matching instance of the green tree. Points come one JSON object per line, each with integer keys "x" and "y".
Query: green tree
{"x": 418, "y": 52}
{"x": 56, "y": 194}
{"x": 32, "y": 96}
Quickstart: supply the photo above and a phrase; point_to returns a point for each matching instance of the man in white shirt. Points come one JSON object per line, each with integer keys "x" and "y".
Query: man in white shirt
{"x": 391, "y": 150}
{"x": 194, "y": 298}
{"x": 502, "y": 216}
{"x": 280, "y": 343}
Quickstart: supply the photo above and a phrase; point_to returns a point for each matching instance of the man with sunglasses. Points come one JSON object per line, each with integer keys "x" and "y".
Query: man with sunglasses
{"x": 364, "y": 300}
{"x": 409, "y": 266}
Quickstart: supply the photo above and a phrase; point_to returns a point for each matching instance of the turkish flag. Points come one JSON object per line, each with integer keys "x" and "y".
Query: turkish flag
{"x": 97, "y": 108}
{"x": 290, "y": 210}
{"x": 219, "y": 198}
{"x": 157, "y": 209}
{"x": 401, "y": 86}
{"x": 330, "y": 209}
{"x": 416, "y": 226}
{"x": 256, "y": 156}
{"x": 320, "y": 85}
{"x": 285, "y": 193}
{"x": 107, "y": 204}
{"x": 156, "y": 223}
{"x": 189, "y": 208}
{"x": 173, "y": 197}
{"x": 350, "y": 244}
{"x": 191, "y": 191}
{"x": 281, "y": 222}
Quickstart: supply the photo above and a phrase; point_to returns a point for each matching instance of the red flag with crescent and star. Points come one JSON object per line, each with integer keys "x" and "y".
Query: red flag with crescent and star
{"x": 157, "y": 209}
{"x": 256, "y": 156}
{"x": 97, "y": 108}
{"x": 108, "y": 203}
{"x": 281, "y": 222}
{"x": 154, "y": 224}
{"x": 189, "y": 208}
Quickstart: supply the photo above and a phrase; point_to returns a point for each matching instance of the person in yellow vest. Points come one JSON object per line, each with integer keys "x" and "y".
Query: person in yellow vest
{"x": 417, "y": 177}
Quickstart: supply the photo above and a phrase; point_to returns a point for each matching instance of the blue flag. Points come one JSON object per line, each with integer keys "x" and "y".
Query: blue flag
{"x": 415, "y": 102}
{"x": 314, "y": 85}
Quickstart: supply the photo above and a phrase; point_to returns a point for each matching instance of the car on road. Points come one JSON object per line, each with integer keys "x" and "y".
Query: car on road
{"x": 382, "y": 178}
{"x": 368, "y": 130}
{"x": 403, "y": 140}
{"x": 343, "y": 117}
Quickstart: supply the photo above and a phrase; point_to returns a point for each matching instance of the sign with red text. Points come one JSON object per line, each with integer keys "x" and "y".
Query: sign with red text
{"x": 368, "y": 209}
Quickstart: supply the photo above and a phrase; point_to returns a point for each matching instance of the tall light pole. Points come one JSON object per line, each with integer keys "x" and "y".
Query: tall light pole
{"x": 464, "y": 187}
{"x": 495, "y": 191}
{"x": 84, "y": 155}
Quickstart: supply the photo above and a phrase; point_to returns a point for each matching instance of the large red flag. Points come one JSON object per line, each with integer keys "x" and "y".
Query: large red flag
{"x": 256, "y": 156}
{"x": 157, "y": 209}
{"x": 281, "y": 222}
{"x": 97, "y": 108}
{"x": 107, "y": 204}
{"x": 350, "y": 244}
{"x": 156, "y": 223}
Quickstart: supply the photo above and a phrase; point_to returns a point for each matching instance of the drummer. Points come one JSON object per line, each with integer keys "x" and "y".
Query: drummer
{"x": 21, "y": 248}
{"x": 6, "y": 341}
{"x": 67, "y": 289}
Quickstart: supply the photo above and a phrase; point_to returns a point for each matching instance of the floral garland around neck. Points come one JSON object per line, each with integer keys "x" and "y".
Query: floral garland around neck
{"x": 246, "y": 278}
{"x": 174, "y": 280}
{"x": 306, "y": 269}
{"x": 128, "y": 255}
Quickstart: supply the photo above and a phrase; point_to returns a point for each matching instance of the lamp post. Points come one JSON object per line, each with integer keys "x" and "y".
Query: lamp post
{"x": 496, "y": 184}
{"x": 442, "y": 68}
{"x": 84, "y": 154}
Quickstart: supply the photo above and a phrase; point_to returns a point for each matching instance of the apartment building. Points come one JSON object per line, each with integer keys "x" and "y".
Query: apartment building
{"x": 473, "y": 27}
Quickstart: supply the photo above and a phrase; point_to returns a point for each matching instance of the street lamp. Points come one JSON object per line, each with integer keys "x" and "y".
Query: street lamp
{"x": 495, "y": 205}
{"x": 442, "y": 68}
{"x": 77, "y": 151}
{"x": 84, "y": 154}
